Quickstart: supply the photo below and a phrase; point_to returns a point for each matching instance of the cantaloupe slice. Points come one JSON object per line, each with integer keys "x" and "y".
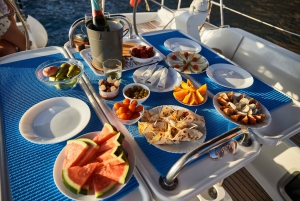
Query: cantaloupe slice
{"x": 199, "y": 97}
{"x": 186, "y": 99}
{"x": 203, "y": 89}
{"x": 193, "y": 100}
{"x": 180, "y": 95}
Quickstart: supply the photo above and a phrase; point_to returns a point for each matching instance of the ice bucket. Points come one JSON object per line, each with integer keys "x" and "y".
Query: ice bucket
{"x": 105, "y": 45}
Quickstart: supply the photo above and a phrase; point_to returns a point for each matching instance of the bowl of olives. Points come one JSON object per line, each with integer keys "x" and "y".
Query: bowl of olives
{"x": 136, "y": 91}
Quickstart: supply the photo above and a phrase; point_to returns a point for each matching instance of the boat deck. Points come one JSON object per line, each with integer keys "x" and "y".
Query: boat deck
{"x": 241, "y": 185}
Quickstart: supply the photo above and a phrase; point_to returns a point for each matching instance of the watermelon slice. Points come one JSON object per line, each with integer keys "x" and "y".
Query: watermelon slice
{"x": 93, "y": 148}
{"x": 101, "y": 184}
{"x": 107, "y": 132}
{"x": 75, "y": 177}
{"x": 109, "y": 154}
{"x": 116, "y": 173}
{"x": 122, "y": 158}
{"x": 74, "y": 150}
{"x": 86, "y": 187}
{"x": 114, "y": 141}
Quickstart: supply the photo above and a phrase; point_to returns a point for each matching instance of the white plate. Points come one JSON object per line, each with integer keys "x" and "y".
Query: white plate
{"x": 265, "y": 123}
{"x": 173, "y": 79}
{"x": 182, "y": 44}
{"x": 57, "y": 173}
{"x": 229, "y": 76}
{"x": 54, "y": 120}
{"x": 182, "y": 147}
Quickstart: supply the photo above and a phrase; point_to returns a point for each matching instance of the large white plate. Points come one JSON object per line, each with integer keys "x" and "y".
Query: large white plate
{"x": 57, "y": 173}
{"x": 265, "y": 123}
{"x": 173, "y": 79}
{"x": 229, "y": 76}
{"x": 182, "y": 44}
{"x": 182, "y": 147}
{"x": 54, "y": 120}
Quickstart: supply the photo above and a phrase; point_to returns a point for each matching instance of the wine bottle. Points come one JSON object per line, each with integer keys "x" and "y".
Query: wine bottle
{"x": 99, "y": 20}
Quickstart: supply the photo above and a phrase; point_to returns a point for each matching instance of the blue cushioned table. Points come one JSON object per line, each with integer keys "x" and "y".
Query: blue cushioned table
{"x": 269, "y": 97}
{"x": 30, "y": 165}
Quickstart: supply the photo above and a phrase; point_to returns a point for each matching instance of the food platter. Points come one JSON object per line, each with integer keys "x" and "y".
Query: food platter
{"x": 229, "y": 76}
{"x": 183, "y": 146}
{"x": 57, "y": 173}
{"x": 54, "y": 120}
{"x": 264, "y": 110}
{"x": 173, "y": 79}
{"x": 182, "y": 44}
{"x": 187, "y": 62}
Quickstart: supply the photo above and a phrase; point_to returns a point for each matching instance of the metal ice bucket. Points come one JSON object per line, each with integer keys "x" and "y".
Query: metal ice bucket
{"x": 106, "y": 45}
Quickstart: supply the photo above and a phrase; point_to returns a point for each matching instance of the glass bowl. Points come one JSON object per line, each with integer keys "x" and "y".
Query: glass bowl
{"x": 62, "y": 79}
{"x": 131, "y": 121}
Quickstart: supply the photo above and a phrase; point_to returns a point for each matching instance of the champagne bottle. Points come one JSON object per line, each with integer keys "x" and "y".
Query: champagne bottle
{"x": 99, "y": 20}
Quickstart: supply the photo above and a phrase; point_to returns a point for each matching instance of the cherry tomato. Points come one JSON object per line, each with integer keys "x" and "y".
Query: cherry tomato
{"x": 194, "y": 59}
{"x": 134, "y": 102}
{"x": 185, "y": 67}
{"x": 117, "y": 105}
{"x": 123, "y": 116}
{"x": 176, "y": 66}
{"x": 122, "y": 110}
{"x": 195, "y": 67}
{"x": 131, "y": 107}
{"x": 126, "y": 101}
{"x": 135, "y": 115}
{"x": 139, "y": 108}
{"x": 186, "y": 54}
{"x": 129, "y": 114}
{"x": 174, "y": 57}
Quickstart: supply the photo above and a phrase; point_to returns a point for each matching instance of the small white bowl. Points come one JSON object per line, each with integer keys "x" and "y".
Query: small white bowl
{"x": 139, "y": 100}
{"x": 142, "y": 60}
{"x": 109, "y": 95}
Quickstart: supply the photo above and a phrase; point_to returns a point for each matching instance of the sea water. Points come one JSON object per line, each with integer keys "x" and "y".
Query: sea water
{"x": 57, "y": 16}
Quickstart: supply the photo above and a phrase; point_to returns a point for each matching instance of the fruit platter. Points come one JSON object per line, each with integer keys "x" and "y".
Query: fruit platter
{"x": 187, "y": 62}
{"x": 241, "y": 109}
{"x": 95, "y": 165}
{"x": 189, "y": 95}
{"x": 172, "y": 128}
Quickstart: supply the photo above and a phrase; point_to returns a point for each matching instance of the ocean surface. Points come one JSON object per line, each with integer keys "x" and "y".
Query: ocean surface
{"x": 58, "y": 15}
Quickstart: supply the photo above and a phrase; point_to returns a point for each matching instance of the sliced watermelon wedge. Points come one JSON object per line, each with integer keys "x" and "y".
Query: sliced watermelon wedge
{"x": 92, "y": 150}
{"x": 114, "y": 141}
{"x": 76, "y": 177}
{"x": 109, "y": 154}
{"x": 74, "y": 150}
{"x": 122, "y": 158}
{"x": 102, "y": 184}
{"x": 116, "y": 173}
{"x": 107, "y": 132}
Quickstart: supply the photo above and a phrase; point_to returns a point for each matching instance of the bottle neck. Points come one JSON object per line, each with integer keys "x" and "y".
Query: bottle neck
{"x": 97, "y": 13}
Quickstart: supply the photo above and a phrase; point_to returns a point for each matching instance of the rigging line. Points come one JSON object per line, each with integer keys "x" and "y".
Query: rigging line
{"x": 237, "y": 12}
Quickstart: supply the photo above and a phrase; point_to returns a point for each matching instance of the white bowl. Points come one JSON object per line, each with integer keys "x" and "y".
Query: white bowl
{"x": 109, "y": 95}
{"x": 139, "y": 100}
{"x": 142, "y": 60}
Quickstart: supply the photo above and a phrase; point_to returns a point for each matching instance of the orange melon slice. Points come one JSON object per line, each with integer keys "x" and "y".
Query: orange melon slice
{"x": 203, "y": 89}
{"x": 186, "y": 99}
{"x": 199, "y": 97}
{"x": 184, "y": 85}
{"x": 193, "y": 99}
{"x": 180, "y": 95}
{"x": 190, "y": 84}
{"x": 176, "y": 88}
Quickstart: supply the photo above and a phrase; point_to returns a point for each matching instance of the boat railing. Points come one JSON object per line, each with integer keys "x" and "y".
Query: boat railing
{"x": 222, "y": 7}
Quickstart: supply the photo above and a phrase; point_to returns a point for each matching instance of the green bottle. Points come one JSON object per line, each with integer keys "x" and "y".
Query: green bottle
{"x": 99, "y": 20}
